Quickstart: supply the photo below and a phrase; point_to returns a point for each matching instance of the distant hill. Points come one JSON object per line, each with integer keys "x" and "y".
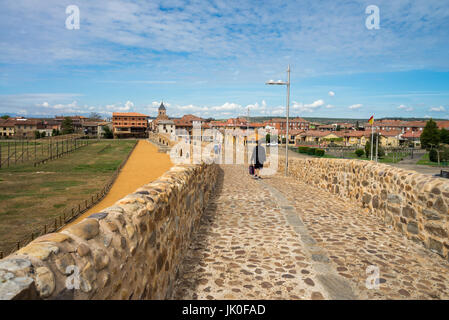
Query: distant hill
{"x": 335, "y": 120}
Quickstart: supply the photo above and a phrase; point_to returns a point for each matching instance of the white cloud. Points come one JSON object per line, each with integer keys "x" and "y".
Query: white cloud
{"x": 331, "y": 93}
{"x": 355, "y": 106}
{"x": 227, "y": 107}
{"x": 404, "y": 107}
{"x": 44, "y": 104}
{"x": 437, "y": 109}
{"x": 129, "y": 105}
{"x": 307, "y": 107}
{"x": 329, "y": 106}
{"x": 315, "y": 104}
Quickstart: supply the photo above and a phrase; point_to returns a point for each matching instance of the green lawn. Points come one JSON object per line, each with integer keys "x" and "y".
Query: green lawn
{"x": 351, "y": 155}
{"x": 33, "y": 196}
{"x": 425, "y": 161}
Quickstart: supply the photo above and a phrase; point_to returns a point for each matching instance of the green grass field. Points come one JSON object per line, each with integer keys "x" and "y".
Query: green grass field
{"x": 33, "y": 196}
{"x": 19, "y": 152}
{"x": 351, "y": 155}
{"x": 425, "y": 161}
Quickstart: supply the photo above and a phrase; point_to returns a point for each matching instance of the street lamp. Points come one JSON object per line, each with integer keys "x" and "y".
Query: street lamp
{"x": 283, "y": 83}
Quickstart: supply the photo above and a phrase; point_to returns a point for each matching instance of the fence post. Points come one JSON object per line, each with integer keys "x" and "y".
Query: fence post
{"x": 1, "y": 255}
{"x": 56, "y": 223}
{"x": 18, "y": 245}
{"x": 45, "y": 228}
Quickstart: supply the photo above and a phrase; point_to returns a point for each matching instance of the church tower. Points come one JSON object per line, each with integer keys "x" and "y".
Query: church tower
{"x": 162, "y": 114}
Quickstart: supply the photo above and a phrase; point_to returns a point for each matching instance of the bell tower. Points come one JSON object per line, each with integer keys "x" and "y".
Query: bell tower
{"x": 162, "y": 111}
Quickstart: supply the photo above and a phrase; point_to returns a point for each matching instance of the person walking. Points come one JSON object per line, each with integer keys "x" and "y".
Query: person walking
{"x": 258, "y": 158}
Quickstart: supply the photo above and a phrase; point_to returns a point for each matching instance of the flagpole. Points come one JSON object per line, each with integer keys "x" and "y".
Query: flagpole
{"x": 372, "y": 140}
{"x": 377, "y": 145}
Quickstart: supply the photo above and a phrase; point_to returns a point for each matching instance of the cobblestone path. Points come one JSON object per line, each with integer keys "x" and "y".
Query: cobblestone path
{"x": 278, "y": 238}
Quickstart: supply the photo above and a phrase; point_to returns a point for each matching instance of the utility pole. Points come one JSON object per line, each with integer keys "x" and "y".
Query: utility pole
{"x": 377, "y": 144}
{"x": 280, "y": 82}
{"x": 288, "y": 111}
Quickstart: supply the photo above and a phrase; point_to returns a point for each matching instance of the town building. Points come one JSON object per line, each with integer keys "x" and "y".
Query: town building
{"x": 101, "y": 128}
{"x": 26, "y": 128}
{"x": 7, "y": 128}
{"x": 293, "y": 124}
{"x": 129, "y": 125}
{"x": 317, "y": 137}
{"x": 77, "y": 122}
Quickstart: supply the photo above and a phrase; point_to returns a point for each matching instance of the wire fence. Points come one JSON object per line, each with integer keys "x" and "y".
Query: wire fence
{"x": 38, "y": 151}
{"x": 69, "y": 214}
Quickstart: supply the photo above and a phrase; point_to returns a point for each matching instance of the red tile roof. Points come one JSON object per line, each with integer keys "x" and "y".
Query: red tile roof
{"x": 316, "y": 133}
{"x": 390, "y": 133}
{"x": 128, "y": 114}
{"x": 352, "y": 133}
{"x": 412, "y": 134}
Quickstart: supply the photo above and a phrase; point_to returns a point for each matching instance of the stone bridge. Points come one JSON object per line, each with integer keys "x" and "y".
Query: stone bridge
{"x": 333, "y": 229}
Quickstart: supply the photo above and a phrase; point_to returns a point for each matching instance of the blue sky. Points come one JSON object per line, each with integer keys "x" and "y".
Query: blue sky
{"x": 212, "y": 58}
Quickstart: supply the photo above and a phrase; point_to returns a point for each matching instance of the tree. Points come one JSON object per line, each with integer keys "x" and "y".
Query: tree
{"x": 357, "y": 126}
{"x": 37, "y": 134}
{"x": 55, "y": 132}
{"x": 359, "y": 152}
{"x": 107, "y": 133}
{"x": 267, "y": 138}
{"x": 430, "y": 135}
{"x": 338, "y": 127}
{"x": 67, "y": 126}
{"x": 5, "y": 117}
{"x": 444, "y": 136}
{"x": 43, "y": 134}
{"x": 95, "y": 116}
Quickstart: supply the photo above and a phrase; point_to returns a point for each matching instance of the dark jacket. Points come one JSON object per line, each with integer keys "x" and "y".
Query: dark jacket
{"x": 258, "y": 156}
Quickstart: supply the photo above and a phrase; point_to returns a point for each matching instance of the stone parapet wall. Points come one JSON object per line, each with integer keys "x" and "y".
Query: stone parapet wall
{"x": 161, "y": 139}
{"x": 413, "y": 203}
{"x": 131, "y": 250}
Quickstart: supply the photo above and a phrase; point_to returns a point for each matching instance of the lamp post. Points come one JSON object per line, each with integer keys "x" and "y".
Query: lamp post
{"x": 285, "y": 83}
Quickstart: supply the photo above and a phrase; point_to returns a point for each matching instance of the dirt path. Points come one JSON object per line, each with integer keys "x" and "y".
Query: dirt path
{"x": 144, "y": 165}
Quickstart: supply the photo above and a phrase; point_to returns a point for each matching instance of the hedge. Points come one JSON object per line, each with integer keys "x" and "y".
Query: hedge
{"x": 303, "y": 149}
{"x": 319, "y": 152}
{"x": 311, "y": 151}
